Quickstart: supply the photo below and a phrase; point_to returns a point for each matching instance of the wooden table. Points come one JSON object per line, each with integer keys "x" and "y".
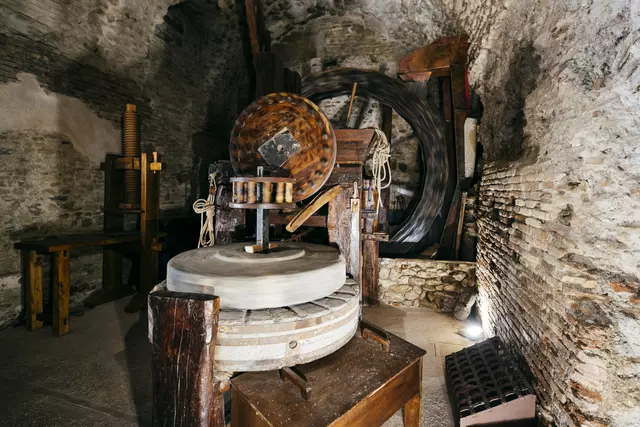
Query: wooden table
{"x": 358, "y": 385}
{"x": 58, "y": 247}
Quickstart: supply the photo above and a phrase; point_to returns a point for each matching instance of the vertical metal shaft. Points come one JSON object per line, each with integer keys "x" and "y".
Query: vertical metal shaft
{"x": 262, "y": 229}
{"x": 262, "y": 222}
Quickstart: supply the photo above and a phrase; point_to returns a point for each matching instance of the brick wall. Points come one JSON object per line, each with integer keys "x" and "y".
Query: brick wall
{"x": 558, "y": 249}
{"x": 66, "y": 72}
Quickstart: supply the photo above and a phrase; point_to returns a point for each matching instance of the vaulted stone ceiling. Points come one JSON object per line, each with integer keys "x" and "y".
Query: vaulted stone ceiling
{"x": 406, "y": 24}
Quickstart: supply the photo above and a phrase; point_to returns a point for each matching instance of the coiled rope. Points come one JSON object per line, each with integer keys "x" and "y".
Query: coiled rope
{"x": 380, "y": 150}
{"x": 206, "y": 209}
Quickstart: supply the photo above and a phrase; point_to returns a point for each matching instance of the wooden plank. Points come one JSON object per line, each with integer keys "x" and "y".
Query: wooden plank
{"x": 446, "y": 250}
{"x": 185, "y": 392}
{"x": 370, "y": 257}
{"x": 387, "y": 121}
{"x": 319, "y": 201}
{"x": 380, "y": 406}
{"x": 463, "y": 200}
{"x": 73, "y": 241}
{"x": 32, "y": 267}
{"x": 460, "y": 111}
{"x": 60, "y": 284}
{"x": 385, "y": 194}
{"x": 269, "y": 74}
{"x": 243, "y": 414}
{"x": 312, "y": 221}
{"x": 358, "y": 385}
{"x": 353, "y": 147}
{"x": 433, "y": 59}
{"x": 353, "y": 95}
{"x": 258, "y": 34}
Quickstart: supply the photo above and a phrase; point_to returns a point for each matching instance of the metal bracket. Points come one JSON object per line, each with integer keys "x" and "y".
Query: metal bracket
{"x": 277, "y": 150}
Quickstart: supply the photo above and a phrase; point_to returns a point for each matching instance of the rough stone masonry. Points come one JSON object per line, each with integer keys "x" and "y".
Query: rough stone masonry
{"x": 425, "y": 282}
{"x": 66, "y": 71}
{"x": 559, "y": 235}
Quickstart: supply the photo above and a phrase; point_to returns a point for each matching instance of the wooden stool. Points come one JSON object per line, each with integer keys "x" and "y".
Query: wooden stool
{"x": 359, "y": 385}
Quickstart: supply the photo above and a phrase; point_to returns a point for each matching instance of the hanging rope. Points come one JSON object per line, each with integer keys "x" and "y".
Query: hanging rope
{"x": 381, "y": 170}
{"x": 206, "y": 209}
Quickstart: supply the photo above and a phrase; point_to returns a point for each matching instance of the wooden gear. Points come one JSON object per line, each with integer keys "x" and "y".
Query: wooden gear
{"x": 310, "y": 164}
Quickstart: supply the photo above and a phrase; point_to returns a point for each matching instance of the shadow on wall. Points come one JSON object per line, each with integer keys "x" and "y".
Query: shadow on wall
{"x": 503, "y": 124}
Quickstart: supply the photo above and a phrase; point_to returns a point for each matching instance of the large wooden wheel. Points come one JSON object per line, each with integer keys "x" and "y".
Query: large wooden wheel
{"x": 284, "y": 127}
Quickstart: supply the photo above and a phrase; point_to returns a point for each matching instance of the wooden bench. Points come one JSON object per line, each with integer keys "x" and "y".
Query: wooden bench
{"x": 58, "y": 247}
{"x": 360, "y": 385}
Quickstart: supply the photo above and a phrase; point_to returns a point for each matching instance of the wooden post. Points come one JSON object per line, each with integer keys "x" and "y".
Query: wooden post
{"x": 32, "y": 267}
{"x": 355, "y": 232}
{"x": 149, "y": 228}
{"x": 113, "y": 222}
{"x": 412, "y": 411}
{"x": 60, "y": 280}
{"x": 184, "y": 332}
{"x": 370, "y": 249}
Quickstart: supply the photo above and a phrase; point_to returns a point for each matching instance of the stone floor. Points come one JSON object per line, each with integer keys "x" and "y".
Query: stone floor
{"x": 99, "y": 374}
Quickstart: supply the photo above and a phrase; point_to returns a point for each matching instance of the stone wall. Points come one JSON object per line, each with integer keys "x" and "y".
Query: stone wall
{"x": 347, "y": 38}
{"x": 559, "y": 240}
{"x": 66, "y": 71}
{"x": 559, "y": 244}
{"x": 424, "y": 282}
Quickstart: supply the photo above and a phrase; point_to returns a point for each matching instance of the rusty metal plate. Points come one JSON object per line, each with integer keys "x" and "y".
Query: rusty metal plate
{"x": 267, "y": 117}
{"x": 279, "y": 149}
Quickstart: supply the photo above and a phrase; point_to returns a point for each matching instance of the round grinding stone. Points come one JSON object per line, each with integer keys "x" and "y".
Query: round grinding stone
{"x": 292, "y": 273}
{"x": 262, "y": 340}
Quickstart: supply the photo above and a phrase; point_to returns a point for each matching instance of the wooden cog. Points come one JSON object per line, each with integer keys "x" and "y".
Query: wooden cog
{"x": 268, "y": 116}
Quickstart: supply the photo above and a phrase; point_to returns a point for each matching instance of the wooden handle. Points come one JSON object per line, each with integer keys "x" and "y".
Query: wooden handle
{"x": 298, "y": 379}
{"x": 373, "y": 333}
{"x": 319, "y": 201}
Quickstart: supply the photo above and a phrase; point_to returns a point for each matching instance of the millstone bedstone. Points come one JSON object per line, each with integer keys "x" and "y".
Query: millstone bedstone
{"x": 262, "y": 340}
{"x": 293, "y": 273}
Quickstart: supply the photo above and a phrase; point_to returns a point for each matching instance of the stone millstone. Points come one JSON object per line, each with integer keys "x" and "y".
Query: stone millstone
{"x": 293, "y": 273}
{"x": 262, "y": 340}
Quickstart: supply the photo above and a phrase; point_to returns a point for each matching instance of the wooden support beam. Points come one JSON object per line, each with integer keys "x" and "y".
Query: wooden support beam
{"x": 383, "y": 213}
{"x": 355, "y": 233}
{"x": 312, "y": 221}
{"x": 60, "y": 278}
{"x": 370, "y": 249}
{"x": 319, "y": 201}
{"x": 269, "y": 74}
{"x": 260, "y": 37}
{"x": 149, "y": 229}
{"x": 185, "y": 391}
{"x": 353, "y": 145}
{"x": 32, "y": 268}
{"x": 113, "y": 222}
{"x": 412, "y": 410}
{"x": 353, "y": 95}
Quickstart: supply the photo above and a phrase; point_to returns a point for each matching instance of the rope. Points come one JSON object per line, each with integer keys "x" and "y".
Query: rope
{"x": 207, "y": 207}
{"x": 381, "y": 169}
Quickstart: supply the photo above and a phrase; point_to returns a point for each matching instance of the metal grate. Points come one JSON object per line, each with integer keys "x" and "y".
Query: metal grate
{"x": 482, "y": 377}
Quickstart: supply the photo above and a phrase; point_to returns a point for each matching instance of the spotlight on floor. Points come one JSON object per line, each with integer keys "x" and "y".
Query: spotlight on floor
{"x": 472, "y": 331}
